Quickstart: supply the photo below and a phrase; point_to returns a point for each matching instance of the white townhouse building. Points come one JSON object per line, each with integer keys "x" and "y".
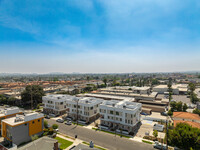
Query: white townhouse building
{"x": 87, "y": 108}
{"x": 55, "y": 104}
{"x": 120, "y": 115}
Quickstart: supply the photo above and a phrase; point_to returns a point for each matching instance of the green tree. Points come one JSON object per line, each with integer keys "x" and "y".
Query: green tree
{"x": 3, "y": 99}
{"x": 11, "y": 101}
{"x": 196, "y": 111}
{"x": 185, "y": 107}
{"x": 154, "y": 82}
{"x": 193, "y": 97}
{"x": 173, "y": 106}
{"x": 55, "y": 126}
{"x": 179, "y": 106}
{"x": 32, "y": 96}
{"x": 45, "y": 124}
{"x": 170, "y": 113}
{"x": 105, "y": 80}
{"x": 155, "y": 133}
{"x": 192, "y": 87}
{"x": 88, "y": 78}
{"x": 184, "y": 137}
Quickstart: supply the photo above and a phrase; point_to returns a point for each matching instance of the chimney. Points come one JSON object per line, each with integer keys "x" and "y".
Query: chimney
{"x": 56, "y": 146}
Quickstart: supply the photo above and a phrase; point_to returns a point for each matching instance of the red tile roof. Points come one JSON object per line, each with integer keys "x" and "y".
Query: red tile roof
{"x": 186, "y": 115}
{"x": 193, "y": 124}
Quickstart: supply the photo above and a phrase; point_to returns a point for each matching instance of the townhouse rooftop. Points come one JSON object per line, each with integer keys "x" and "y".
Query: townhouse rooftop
{"x": 86, "y": 100}
{"x": 19, "y": 119}
{"x": 73, "y": 99}
{"x": 127, "y": 105}
{"x": 9, "y": 111}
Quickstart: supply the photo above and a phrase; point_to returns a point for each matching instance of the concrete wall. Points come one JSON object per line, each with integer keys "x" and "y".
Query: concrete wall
{"x": 20, "y": 134}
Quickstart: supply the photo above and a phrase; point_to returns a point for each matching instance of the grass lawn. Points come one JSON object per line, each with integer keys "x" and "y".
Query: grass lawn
{"x": 147, "y": 142}
{"x": 95, "y": 146}
{"x": 111, "y": 133}
{"x": 64, "y": 143}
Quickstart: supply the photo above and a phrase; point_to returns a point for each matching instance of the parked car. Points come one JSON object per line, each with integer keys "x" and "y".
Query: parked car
{"x": 160, "y": 146}
{"x": 47, "y": 117}
{"x": 56, "y": 130}
{"x": 164, "y": 114}
{"x": 60, "y": 120}
{"x": 143, "y": 113}
{"x": 68, "y": 119}
{"x": 68, "y": 123}
{"x": 158, "y": 127}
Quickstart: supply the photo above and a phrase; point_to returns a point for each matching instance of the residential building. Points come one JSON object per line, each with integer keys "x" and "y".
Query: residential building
{"x": 186, "y": 117}
{"x": 120, "y": 115}
{"x": 8, "y": 112}
{"x": 55, "y": 104}
{"x": 87, "y": 107}
{"x": 19, "y": 129}
{"x": 43, "y": 143}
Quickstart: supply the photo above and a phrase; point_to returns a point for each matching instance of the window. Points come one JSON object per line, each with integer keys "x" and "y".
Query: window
{"x": 38, "y": 120}
{"x": 25, "y": 124}
{"x": 91, "y": 108}
{"x": 61, "y": 103}
{"x": 131, "y": 122}
{"x": 120, "y": 119}
{"x": 117, "y": 113}
{"x": 128, "y": 121}
{"x": 33, "y": 122}
{"x": 111, "y": 112}
{"x": 131, "y": 116}
{"x": 125, "y": 121}
{"x": 108, "y": 117}
{"x": 134, "y": 115}
{"x": 126, "y": 114}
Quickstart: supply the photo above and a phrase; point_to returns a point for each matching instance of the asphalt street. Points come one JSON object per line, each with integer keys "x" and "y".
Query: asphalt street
{"x": 106, "y": 140}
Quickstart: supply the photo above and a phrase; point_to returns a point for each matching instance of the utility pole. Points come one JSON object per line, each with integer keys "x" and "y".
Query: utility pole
{"x": 31, "y": 97}
{"x": 77, "y": 111}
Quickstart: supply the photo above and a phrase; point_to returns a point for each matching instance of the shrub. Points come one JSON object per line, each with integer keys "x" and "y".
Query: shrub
{"x": 45, "y": 124}
{"x": 55, "y": 126}
{"x": 35, "y": 137}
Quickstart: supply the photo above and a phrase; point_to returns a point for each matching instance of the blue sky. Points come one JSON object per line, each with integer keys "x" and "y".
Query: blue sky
{"x": 99, "y": 36}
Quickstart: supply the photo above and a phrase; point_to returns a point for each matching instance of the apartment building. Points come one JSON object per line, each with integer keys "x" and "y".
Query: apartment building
{"x": 87, "y": 108}
{"x": 19, "y": 129}
{"x": 8, "y": 112}
{"x": 55, "y": 104}
{"x": 120, "y": 115}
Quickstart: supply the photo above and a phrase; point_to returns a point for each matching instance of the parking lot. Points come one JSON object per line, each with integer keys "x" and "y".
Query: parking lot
{"x": 178, "y": 98}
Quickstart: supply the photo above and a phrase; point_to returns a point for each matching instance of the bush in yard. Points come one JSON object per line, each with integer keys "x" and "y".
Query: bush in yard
{"x": 45, "y": 124}
{"x": 35, "y": 137}
{"x": 55, "y": 126}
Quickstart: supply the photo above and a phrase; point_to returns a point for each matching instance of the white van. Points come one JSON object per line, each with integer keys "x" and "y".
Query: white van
{"x": 158, "y": 127}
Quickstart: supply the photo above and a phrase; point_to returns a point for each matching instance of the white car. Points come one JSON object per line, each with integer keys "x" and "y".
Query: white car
{"x": 68, "y": 123}
{"x": 56, "y": 130}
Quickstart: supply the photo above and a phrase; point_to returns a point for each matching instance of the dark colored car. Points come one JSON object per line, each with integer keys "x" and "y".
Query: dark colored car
{"x": 164, "y": 114}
